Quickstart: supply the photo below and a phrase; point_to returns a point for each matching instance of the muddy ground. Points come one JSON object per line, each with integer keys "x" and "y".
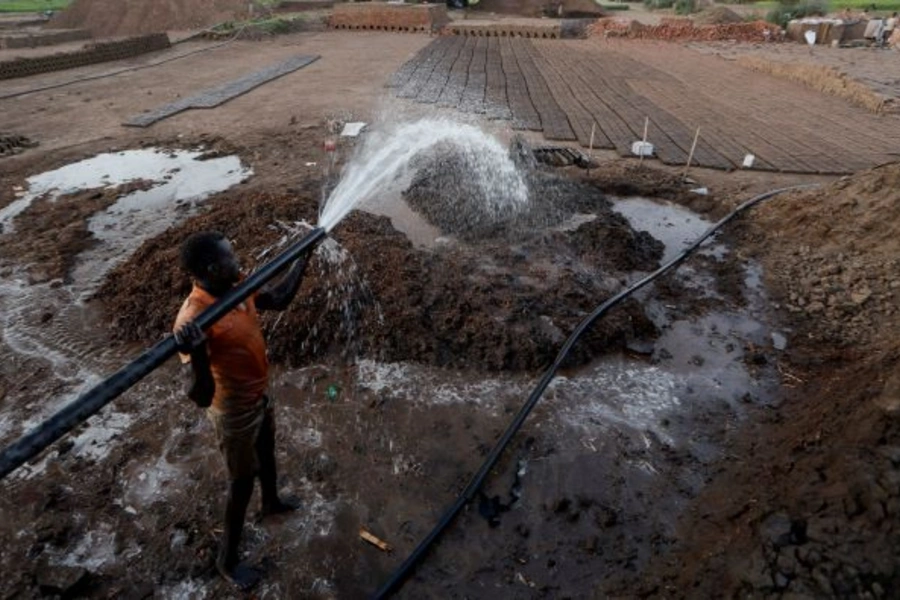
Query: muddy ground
{"x": 471, "y": 322}
{"x": 775, "y": 472}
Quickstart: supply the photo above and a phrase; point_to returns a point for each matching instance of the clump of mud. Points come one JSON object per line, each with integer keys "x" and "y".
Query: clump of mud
{"x": 496, "y": 305}
{"x": 838, "y": 275}
{"x": 11, "y": 143}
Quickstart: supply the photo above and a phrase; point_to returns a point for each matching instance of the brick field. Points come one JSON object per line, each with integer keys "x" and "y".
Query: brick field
{"x": 561, "y": 88}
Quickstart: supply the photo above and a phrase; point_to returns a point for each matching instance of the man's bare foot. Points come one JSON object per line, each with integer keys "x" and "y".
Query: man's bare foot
{"x": 280, "y": 506}
{"x": 241, "y": 576}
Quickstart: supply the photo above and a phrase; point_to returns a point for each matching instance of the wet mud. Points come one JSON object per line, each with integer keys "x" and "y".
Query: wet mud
{"x": 51, "y": 233}
{"x": 486, "y": 304}
{"x": 702, "y": 438}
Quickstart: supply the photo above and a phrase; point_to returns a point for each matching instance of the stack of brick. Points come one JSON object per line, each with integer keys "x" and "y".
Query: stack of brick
{"x": 686, "y": 30}
{"x": 389, "y": 17}
{"x": 88, "y": 55}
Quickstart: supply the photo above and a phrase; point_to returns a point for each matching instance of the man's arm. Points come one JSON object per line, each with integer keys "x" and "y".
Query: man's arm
{"x": 191, "y": 341}
{"x": 279, "y": 297}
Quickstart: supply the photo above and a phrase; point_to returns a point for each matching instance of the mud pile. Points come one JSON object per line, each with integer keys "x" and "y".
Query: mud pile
{"x": 11, "y": 143}
{"x": 491, "y": 305}
{"x": 717, "y": 15}
{"x": 789, "y": 516}
{"x": 686, "y": 30}
{"x": 840, "y": 267}
{"x": 113, "y": 18}
{"x": 539, "y": 8}
{"x": 444, "y": 192}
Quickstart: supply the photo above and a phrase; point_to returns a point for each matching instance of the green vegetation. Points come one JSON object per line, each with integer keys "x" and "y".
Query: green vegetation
{"x": 880, "y": 6}
{"x": 682, "y": 7}
{"x": 266, "y": 25}
{"x": 786, "y": 10}
{"x": 32, "y": 6}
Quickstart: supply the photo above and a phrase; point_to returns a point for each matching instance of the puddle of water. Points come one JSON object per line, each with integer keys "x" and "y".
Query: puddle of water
{"x": 178, "y": 177}
{"x": 69, "y": 340}
{"x": 673, "y": 225}
{"x": 420, "y": 383}
{"x": 617, "y": 393}
{"x": 575, "y": 221}
{"x": 404, "y": 219}
{"x": 779, "y": 340}
{"x": 189, "y": 589}
{"x": 93, "y": 551}
{"x": 177, "y": 173}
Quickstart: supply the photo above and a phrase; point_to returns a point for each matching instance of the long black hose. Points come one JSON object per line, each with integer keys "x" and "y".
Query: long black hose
{"x": 36, "y": 440}
{"x": 405, "y": 570}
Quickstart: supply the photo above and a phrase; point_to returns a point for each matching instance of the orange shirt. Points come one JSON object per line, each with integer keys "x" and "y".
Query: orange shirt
{"x": 237, "y": 352}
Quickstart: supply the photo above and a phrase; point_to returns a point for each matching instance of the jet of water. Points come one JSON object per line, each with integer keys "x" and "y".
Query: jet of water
{"x": 386, "y": 155}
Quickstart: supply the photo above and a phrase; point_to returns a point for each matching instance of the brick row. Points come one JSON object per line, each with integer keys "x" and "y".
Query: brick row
{"x": 523, "y": 112}
{"x": 554, "y": 122}
{"x": 89, "y": 55}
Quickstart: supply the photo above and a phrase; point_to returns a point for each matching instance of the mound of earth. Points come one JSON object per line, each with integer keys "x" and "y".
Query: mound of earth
{"x": 493, "y": 305}
{"x": 445, "y": 192}
{"x": 838, "y": 276}
{"x": 113, "y": 17}
{"x": 540, "y": 8}
{"x": 717, "y": 15}
{"x": 817, "y": 479}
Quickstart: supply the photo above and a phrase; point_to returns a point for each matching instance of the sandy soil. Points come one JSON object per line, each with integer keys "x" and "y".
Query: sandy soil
{"x": 877, "y": 68}
{"x": 104, "y": 18}
{"x": 694, "y": 455}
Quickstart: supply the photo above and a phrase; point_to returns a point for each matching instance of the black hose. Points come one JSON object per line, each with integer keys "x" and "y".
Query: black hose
{"x": 36, "y": 440}
{"x": 405, "y": 570}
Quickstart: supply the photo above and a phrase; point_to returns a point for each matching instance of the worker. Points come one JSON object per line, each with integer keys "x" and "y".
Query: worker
{"x": 229, "y": 370}
{"x": 889, "y": 26}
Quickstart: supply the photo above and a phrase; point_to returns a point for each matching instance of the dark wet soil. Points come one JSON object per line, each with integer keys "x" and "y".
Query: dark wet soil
{"x": 51, "y": 234}
{"x": 488, "y": 305}
{"x": 802, "y": 501}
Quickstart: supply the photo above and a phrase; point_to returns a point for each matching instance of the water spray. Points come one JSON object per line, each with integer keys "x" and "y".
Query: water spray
{"x": 383, "y": 157}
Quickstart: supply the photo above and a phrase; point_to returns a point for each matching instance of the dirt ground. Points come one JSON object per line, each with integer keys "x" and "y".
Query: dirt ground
{"x": 774, "y": 473}
{"x": 876, "y": 68}
{"x": 103, "y": 18}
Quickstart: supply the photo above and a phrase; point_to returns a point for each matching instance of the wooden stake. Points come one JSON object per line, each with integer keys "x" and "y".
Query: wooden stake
{"x": 591, "y": 146}
{"x": 644, "y": 141}
{"x": 691, "y": 154}
{"x": 380, "y": 544}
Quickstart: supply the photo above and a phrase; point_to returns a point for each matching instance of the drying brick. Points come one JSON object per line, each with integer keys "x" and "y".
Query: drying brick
{"x": 389, "y": 17}
{"x": 89, "y": 55}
